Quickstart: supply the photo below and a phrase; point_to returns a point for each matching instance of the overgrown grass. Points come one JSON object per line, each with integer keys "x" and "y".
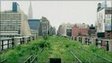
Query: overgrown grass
{"x": 57, "y": 47}
{"x": 21, "y": 52}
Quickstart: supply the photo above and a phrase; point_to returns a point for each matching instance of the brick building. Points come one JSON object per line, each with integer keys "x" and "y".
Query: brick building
{"x": 79, "y": 30}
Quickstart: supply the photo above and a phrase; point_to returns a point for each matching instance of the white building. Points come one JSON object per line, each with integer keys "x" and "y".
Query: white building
{"x": 14, "y": 23}
{"x": 104, "y": 18}
{"x": 64, "y": 29}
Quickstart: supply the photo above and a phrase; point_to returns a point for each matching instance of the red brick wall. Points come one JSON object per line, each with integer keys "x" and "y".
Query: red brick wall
{"x": 76, "y": 31}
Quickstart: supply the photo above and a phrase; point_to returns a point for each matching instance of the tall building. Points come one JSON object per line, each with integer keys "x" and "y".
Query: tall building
{"x": 34, "y": 26}
{"x": 30, "y": 12}
{"x": 14, "y": 22}
{"x": 15, "y": 7}
{"x": 104, "y": 21}
{"x": 44, "y": 26}
{"x": 38, "y": 26}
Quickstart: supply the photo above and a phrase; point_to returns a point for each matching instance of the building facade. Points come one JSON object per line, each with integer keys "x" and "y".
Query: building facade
{"x": 92, "y": 31}
{"x": 69, "y": 29}
{"x": 80, "y": 30}
{"x": 44, "y": 26}
{"x": 52, "y": 30}
{"x": 14, "y": 23}
{"x": 34, "y": 26}
{"x": 62, "y": 30}
{"x": 104, "y": 21}
{"x": 65, "y": 29}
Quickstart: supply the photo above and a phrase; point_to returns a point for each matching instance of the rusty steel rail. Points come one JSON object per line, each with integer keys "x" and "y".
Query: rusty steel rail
{"x": 31, "y": 59}
{"x": 3, "y": 61}
{"x": 78, "y": 60}
{"x": 110, "y": 61}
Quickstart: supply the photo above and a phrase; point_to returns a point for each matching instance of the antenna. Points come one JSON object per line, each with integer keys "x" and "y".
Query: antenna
{"x": 30, "y": 15}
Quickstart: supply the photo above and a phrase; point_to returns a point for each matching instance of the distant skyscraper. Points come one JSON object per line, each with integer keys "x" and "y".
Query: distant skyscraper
{"x": 30, "y": 13}
{"x": 34, "y": 26}
{"x": 15, "y": 7}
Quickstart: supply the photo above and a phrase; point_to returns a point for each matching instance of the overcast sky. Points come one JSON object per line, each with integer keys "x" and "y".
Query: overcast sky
{"x": 58, "y": 12}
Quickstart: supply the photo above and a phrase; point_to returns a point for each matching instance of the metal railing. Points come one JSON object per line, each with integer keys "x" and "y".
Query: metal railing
{"x": 100, "y": 43}
{"x": 12, "y": 42}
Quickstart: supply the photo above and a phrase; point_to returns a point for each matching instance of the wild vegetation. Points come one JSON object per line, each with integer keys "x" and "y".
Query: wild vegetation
{"x": 57, "y": 47}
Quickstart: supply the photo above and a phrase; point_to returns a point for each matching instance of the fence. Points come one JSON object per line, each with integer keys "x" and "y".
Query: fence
{"x": 100, "y": 43}
{"x": 12, "y": 42}
{"x": 6, "y": 44}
